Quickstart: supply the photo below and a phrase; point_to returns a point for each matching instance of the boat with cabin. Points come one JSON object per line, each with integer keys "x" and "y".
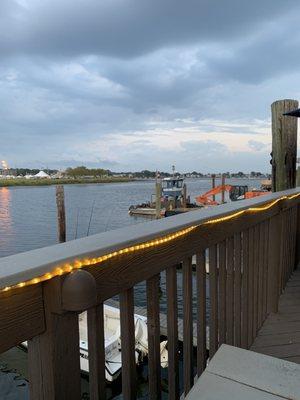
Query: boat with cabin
{"x": 173, "y": 195}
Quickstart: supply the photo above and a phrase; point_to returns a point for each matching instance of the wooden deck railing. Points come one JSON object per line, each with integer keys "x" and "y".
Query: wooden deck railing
{"x": 249, "y": 246}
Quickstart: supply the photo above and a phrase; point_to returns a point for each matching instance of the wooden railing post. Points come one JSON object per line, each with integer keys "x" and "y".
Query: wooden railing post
{"x": 274, "y": 263}
{"x": 53, "y": 356}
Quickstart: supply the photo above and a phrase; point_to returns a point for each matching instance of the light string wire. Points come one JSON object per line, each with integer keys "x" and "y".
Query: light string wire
{"x": 152, "y": 243}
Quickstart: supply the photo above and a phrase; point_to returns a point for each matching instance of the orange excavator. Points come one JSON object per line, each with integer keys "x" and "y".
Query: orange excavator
{"x": 236, "y": 192}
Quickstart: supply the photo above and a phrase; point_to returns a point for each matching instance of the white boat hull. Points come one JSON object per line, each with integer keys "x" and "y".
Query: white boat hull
{"x": 112, "y": 342}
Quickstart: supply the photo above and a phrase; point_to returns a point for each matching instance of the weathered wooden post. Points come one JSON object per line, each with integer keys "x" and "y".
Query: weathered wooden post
{"x": 292, "y": 115}
{"x": 184, "y": 196}
{"x": 284, "y": 145}
{"x": 213, "y": 184}
{"x": 61, "y": 213}
{"x": 158, "y": 198}
{"x": 223, "y": 188}
{"x": 54, "y": 359}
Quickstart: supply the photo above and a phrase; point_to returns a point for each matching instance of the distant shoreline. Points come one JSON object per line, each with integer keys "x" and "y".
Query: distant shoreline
{"x": 49, "y": 182}
{"x": 85, "y": 181}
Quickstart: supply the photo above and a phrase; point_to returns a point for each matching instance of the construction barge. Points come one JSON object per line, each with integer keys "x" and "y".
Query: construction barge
{"x": 172, "y": 197}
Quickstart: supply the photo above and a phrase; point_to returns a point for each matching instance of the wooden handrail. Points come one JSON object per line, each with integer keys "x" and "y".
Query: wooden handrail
{"x": 29, "y": 265}
{"x": 249, "y": 264}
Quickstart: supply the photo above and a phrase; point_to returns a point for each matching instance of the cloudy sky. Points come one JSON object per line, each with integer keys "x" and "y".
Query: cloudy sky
{"x": 135, "y": 84}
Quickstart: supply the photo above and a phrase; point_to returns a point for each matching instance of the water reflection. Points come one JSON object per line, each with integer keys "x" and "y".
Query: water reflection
{"x": 5, "y": 215}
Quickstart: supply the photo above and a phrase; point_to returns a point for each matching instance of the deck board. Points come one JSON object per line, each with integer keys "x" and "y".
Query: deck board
{"x": 236, "y": 374}
{"x": 279, "y": 335}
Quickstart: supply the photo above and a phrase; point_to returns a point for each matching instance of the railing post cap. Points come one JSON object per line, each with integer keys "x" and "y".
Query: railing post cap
{"x": 79, "y": 291}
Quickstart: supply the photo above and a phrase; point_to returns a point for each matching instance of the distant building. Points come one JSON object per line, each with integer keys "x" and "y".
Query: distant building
{"x": 42, "y": 175}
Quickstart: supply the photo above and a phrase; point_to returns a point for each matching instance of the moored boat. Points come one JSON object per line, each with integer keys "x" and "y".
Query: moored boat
{"x": 112, "y": 342}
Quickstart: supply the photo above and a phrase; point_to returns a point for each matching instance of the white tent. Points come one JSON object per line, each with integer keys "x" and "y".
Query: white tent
{"x": 42, "y": 174}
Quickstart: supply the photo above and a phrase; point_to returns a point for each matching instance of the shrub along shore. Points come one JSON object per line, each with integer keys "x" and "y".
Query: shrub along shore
{"x": 63, "y": 181}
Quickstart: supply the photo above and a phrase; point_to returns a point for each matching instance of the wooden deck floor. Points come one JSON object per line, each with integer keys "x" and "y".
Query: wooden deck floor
{"x": 280, "y": 334}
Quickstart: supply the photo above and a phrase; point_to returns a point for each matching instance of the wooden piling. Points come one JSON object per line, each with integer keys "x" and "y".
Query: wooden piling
{"x": 184, "y": 200}
{"x": 213, "y": 184}
{"x": 284, "y": 145}
{"x": 61, "y": 214}
{"x": 158, "y": 198}
{"x": 223, "y": 189}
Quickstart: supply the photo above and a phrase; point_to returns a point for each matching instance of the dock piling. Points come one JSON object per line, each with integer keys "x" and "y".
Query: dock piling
{"x": 61, "y": 213}
{"x": 158, "y": 198}
{"x": 284, "y": 145}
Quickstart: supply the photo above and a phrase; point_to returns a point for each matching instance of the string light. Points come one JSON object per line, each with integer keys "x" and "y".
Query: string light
{"x": 78, "y": 264}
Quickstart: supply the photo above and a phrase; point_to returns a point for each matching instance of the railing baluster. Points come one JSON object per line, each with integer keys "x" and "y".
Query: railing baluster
{"x": 292, "y": 223}
{"x": 286, "y": 262}
{"x": 96, "y": 349}
{"x": 245, "y": 283}
{"x": 295, "y": 215}
{"x": 229, "y": 290}
{"x": 201, "y": 312}
{"x": 222, "y": 292}
{"x": 237, "y": 289}
{"x": 291, "y": 243}
{"x": 283, "y": 252}
{"x": 153, "y": 325}
{"x": 172, "y": 326}
{"x": 213, "y": 296}
{"x": 260, "y": 274}
{"x": 287, "y": 234}
{"x": 294, "y": 219}
{"x": 128, "y": 344}
{"x": 292, "y": 263}
{"x": 250, "y": 286}
{"x": 297, "y": 238}
{"x": 266, "y": 266}
{"x": 288, "y": 245}
{"x": 187, "y": 325}
{"x": 287, "y": 240}
{"x": 274, "y": 262}
{"x": 255, "y": 281}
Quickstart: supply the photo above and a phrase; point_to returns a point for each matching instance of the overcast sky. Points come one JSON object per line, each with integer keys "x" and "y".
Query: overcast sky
{"x": 136, "y": 84}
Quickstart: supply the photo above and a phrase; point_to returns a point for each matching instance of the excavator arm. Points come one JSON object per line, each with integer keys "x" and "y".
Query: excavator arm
{"x": 236, "y": 192}
{"x": 206, "y": 198}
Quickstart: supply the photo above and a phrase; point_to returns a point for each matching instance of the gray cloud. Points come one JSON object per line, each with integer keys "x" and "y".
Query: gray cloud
{"x": 127, "y": 28}
{"x": 74, "y": 73}
{"x": 257, "y": 146}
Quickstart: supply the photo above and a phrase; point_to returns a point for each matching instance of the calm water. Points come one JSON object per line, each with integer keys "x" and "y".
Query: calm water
{"x": 28, "y": 221}
{"x": 28, "y": 214}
